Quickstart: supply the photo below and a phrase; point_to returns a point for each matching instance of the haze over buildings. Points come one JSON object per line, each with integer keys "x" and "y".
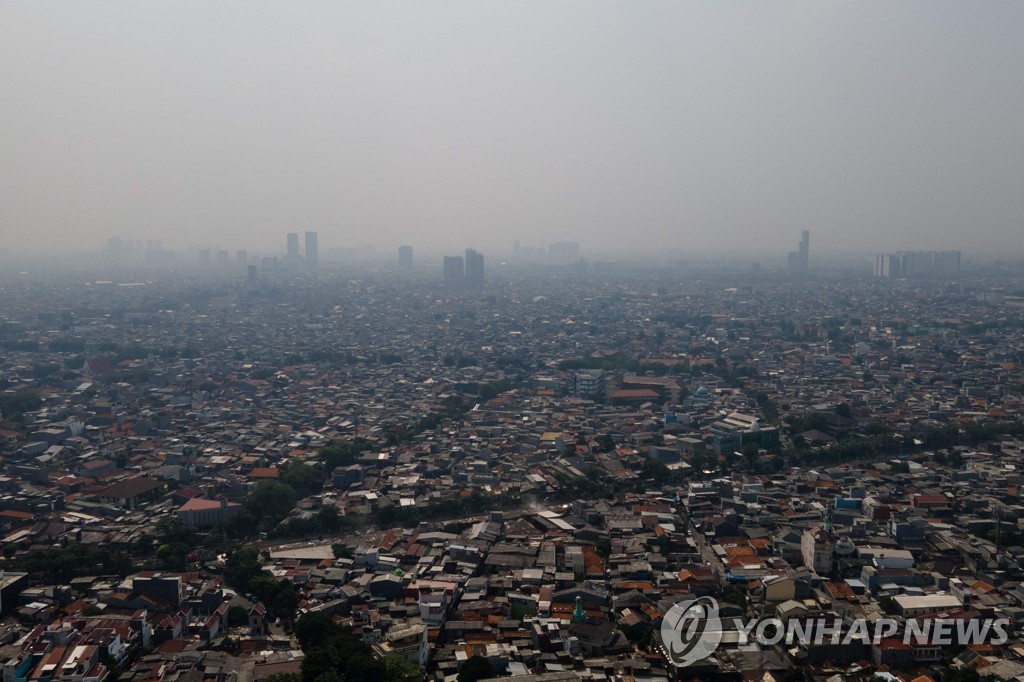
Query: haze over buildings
{"x": 625, "y": 127}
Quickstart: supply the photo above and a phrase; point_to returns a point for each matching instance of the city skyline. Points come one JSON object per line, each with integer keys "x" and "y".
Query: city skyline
{"x": 693, "y": 127}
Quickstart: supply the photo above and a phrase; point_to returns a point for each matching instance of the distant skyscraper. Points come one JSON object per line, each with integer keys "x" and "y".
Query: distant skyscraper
{"x": 241, "y": 257}
{"x": 454, "y": 272}
{"x": 888, "y": 265}
{"x": 115, "y": 247}
{"x": 474, "y": 269}
{"x": 222, "y": 258}
{"x": 917, "y": 264}
{"x": 293, "y": 244}
{"x": 564, "y": 252}
{"x": 799, "y": 261}
{"x": 405, "y": 257}
{"x": 312, "y": 250}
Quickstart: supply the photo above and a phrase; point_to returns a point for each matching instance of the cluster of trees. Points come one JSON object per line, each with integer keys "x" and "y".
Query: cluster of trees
{"x": 271, "y": 501}
{"x": 458, "y": 360}
{"x": 267, "y": 505}
{"x": 453, "y": 407}
{"x": 446, "y": 508}
{"x": 60, "y": 565}
{"x": 327, "y": 519}
{"x": 332, "y": 652}
{"x": 176, "y": 542}
{"x": 67, "y": 345}
{"x": 20, "y": 345}
{"x": 879, "y": 441}
{"x": 492, "y": 390}
{"x": 768, "y": 407}
{"x": 13, "y": 405}
{"x": 244, "y": 572}
{"x": 343, "y": 453}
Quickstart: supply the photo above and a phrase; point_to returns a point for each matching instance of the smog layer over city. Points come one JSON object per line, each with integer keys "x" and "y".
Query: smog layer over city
{"x": 456, "y": 341}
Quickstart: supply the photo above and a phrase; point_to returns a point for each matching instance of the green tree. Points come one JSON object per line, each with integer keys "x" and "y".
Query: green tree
{"x": 328, "y": 518}
{"x": 397, "y": 669}
{"x": 173, "y": 556}
{"x": 270, "y": 502}
{"x": 313, "y": 629}
{"x": 475, "y": 668}
{"x": 342, "y": 453}
{"x": 283, "y": 677}
{"x": 303, "y": 479}
{"x": 13, "y": 406}
{"x": 750, "y": 455}
{"x": 238, "y": 616}
{"x": 241, "y": 568}
{"x": 655, "y": 472}
{"x": 171, "y": 529}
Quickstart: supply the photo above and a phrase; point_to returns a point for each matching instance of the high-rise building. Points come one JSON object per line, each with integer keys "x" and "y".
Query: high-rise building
{"x": 474, "y": 269}
{"x": 798, "y": 261}
{"x": 405, "y": 257}
{"x": 564, "y": 252}
{"x": 888, "y": 265}
{"x": 293, "y": 245}
{"x": 917, "y": 264}
{"x": 312, "y": 250}
{"x": 241, "y": 257}
{"x": 454, "y": 272}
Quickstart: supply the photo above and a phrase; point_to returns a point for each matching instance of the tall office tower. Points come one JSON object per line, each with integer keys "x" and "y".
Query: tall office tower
{"x": 115, "y": 247}
{"x": 917, "y": 264}
{"x": 454, "y": 272}
{"x": 793, "y": 262}
{"x": 405, "y": 257}
{"x": 474, "y": 269}
{"x": 888, "y": 265}
{"x": 222, "y": 258}
{"x": 293, "y": 245}
{"x": 564, "y": 252}
{"x": 797, "y": 261}
{"x": 312, "y": 250}
{"x": 947, "y": 263}
{"x": 241, "y": 257}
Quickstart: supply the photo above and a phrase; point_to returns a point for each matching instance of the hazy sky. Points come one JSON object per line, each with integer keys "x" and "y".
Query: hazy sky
{"x": 702, "y": 125}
